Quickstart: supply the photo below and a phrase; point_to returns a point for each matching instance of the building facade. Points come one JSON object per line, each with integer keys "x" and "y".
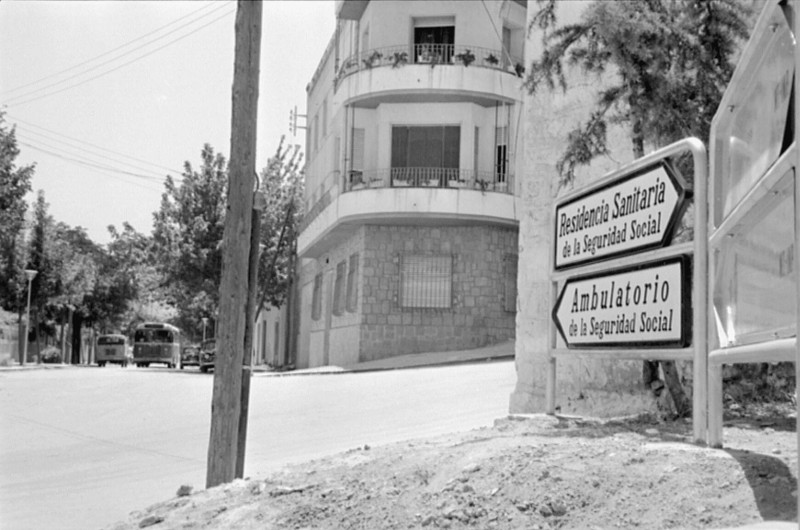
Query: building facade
{"x": 413, "y": 145}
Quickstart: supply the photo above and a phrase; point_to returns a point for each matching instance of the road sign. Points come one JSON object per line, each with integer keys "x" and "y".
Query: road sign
{"x": 647, "y": 305}
{"x": 636, "y": 212}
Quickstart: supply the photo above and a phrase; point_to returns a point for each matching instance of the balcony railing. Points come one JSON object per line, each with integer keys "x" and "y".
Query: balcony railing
{"x": 431, "y": 54}
{"x": 427, "y": 177}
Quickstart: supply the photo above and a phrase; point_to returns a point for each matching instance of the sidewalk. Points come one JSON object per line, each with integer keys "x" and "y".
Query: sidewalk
{"x": 502, "y": 351}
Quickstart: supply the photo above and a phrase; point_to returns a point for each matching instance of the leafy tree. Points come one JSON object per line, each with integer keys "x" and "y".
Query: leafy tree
{"x": 15, "y": 183}
{"x": 187, "y": 236}
{"x": 282, "y": 184}
{"x": 668, "y": 63}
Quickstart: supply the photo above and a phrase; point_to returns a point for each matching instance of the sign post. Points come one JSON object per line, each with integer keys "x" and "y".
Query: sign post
{"x": 621, "y": 289}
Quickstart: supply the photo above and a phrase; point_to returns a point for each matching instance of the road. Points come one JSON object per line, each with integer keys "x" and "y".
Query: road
{"x": 82, "y": 447}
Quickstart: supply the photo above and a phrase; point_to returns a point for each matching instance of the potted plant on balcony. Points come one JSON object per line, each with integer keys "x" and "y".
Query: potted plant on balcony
{"x": 372, "y": 59}
{"x": 466, "y": 57}
{"x": 519, "y": 69}
{"x": 492, "y": 59}
{"x": 399, "y": 59}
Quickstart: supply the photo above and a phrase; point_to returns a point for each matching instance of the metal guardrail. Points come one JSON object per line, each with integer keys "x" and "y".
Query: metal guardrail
{"x": 413, "y": 177}
{"x": 430, "y": 54}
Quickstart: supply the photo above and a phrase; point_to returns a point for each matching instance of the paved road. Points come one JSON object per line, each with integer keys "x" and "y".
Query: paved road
{"x": 82, "y": 447}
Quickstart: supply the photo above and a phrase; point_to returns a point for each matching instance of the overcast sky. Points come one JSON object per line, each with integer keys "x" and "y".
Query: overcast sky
{"x": 110, "y": 96}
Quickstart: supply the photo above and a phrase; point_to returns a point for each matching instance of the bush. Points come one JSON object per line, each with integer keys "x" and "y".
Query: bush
{"x": 51, "y": 355}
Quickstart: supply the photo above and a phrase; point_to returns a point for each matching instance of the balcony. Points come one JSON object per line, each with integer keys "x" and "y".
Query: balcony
{"x": 427, "y": 177}
{"x": 403, "y": 193}
{"x": 433, "y": 55}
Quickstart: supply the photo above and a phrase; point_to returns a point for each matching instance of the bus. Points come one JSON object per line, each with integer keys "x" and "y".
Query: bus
{"x": 112, "y": 348}
{"x": 156, "y": 342}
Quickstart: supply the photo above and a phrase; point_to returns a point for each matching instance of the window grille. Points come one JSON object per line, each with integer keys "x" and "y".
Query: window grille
{"x": 426, "y": 281}
{"x": 338, "y": 289}
{"x": 352, "y": 286}
{"x": 510, "y": 283}
{"x": 316, "y": 302}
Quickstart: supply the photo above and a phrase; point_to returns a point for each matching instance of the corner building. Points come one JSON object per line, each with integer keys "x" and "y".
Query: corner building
{"x": 413, "y": 145}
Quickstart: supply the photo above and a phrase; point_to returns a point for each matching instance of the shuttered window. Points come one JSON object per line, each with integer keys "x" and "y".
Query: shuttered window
{"x": 338, "y": 289}
{"x": 426, "y": 281}
{"x": 352, "y": 286}
{"x": 316, "y": 301}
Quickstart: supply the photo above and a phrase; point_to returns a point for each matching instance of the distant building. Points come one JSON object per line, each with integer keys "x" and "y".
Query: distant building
{"x": 413, "y": 146}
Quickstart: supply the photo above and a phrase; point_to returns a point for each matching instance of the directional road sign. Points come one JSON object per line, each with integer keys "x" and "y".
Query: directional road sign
{"x": 636, "y": 212}
{"x": 647, "y": 305}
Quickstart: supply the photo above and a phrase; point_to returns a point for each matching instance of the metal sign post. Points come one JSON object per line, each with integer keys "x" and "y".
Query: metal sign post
{"x": 627, "y": 293}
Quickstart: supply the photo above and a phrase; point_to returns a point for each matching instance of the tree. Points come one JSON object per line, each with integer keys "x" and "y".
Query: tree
{"x": 282, "y": 184}
{"x": 666, "y": 64}
{"x": 187, "y": 238}
{"x": 667, "y": 61}
{"x": 15, "y": 183}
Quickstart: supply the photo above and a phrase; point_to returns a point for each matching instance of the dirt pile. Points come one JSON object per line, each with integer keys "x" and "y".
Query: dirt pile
{"x": 532, "y": 472}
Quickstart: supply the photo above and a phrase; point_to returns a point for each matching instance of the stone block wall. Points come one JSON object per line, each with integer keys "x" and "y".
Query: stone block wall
{"x": 477, "y": 317}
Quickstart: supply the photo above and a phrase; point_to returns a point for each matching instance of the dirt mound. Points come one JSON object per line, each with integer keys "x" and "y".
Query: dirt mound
{"x": 525, "y": 472}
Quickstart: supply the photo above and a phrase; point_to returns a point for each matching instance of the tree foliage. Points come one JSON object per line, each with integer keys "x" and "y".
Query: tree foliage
{"x": 667, "y": 63}
{"x": 15, "y": 183}
{"x": 282, "y": 184}
{"x": 187, "y": 238}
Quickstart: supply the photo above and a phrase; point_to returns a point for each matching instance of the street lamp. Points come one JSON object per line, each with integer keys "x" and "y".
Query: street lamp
{"x": 30, "y": 274}
{"x": 205, "y": 321}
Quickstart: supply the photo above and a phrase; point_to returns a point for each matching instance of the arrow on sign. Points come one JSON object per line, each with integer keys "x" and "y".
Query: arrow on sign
{"x": 645, "y": 305}
{"x": 630, "y": 214}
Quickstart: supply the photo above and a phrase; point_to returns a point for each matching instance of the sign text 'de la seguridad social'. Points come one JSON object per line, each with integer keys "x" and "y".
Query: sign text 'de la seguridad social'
{"x": 646, "y": 305}
{"x": 633, "y": 213}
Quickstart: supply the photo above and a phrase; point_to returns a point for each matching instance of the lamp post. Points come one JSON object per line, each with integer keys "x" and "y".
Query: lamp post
{"x": 30, "y": 275}
{"x": 205, "y": 321}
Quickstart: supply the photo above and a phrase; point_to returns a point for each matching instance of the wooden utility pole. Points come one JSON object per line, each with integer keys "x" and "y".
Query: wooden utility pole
{"x": 259, "y": 204}
{"x": 226, "y": 400}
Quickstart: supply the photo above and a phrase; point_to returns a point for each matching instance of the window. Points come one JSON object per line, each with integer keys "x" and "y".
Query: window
{"x": 357, "y": 157}
{"x": 324, "y": 118}
{"x": 501, "y": 154}
{"x": 426, "y": 281}
{"x": 437, "y": 149}
{"x": 338, "y": 289}
{"x": 316, "y": 301}
{"x": 510, "y": 283}
{"x": 433, "y": 39}
{"x": 352, "y": 286}
{"x": 277, "y": 340}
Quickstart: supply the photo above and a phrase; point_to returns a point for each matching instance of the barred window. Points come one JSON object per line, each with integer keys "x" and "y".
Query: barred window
{"x": 352, "y": 286}
{"x": 426, "y": 281}
{"x": 316, "y": 301}
{"x": 338, "y": 289}
{"x": 510, "y": 283}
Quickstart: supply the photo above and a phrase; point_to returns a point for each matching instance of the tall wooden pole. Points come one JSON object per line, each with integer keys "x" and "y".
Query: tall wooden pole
{"x": 225, "y": 403}
{"x": 247, "y": 363}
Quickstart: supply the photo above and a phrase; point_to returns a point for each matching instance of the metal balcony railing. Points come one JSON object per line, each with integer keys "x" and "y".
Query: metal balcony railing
{"x": 413, "y": 177}
{"x": 431, "y": 54}
{"x": 427, "y": 177}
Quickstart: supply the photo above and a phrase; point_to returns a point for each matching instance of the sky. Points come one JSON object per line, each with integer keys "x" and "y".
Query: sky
{"x": 108, "y": 97}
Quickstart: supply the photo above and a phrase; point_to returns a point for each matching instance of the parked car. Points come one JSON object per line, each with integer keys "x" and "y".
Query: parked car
{"x": 208, "y": 354}
{"x": 190, "y": 356}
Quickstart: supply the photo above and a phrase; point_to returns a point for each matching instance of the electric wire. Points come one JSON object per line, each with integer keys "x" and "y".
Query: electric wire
{"x": 104, "y": 170}
{"x": 27, "y": 129}
{"x": 56, "y": 74}
{"x": 152, "y": 176}
{"x": 102, "y": 74}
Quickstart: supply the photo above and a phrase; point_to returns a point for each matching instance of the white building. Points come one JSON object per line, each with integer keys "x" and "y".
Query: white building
{"x": 413, "y": 146}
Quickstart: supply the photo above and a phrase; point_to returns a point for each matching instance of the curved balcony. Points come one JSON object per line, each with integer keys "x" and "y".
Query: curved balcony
{"x": 431, "y": 55}
{"x": 458, "y": 72}
{"x": 428, "y": 177}
{"x": 406, "y": 196}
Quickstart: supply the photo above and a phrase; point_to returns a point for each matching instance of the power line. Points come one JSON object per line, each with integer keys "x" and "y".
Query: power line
{"x": 56, "y": 74}
{"x": 153, "y": 175}
{"x": 90, "y": 164}
{"x": 117, "y": 67}
{"x": 76, "y": 140}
